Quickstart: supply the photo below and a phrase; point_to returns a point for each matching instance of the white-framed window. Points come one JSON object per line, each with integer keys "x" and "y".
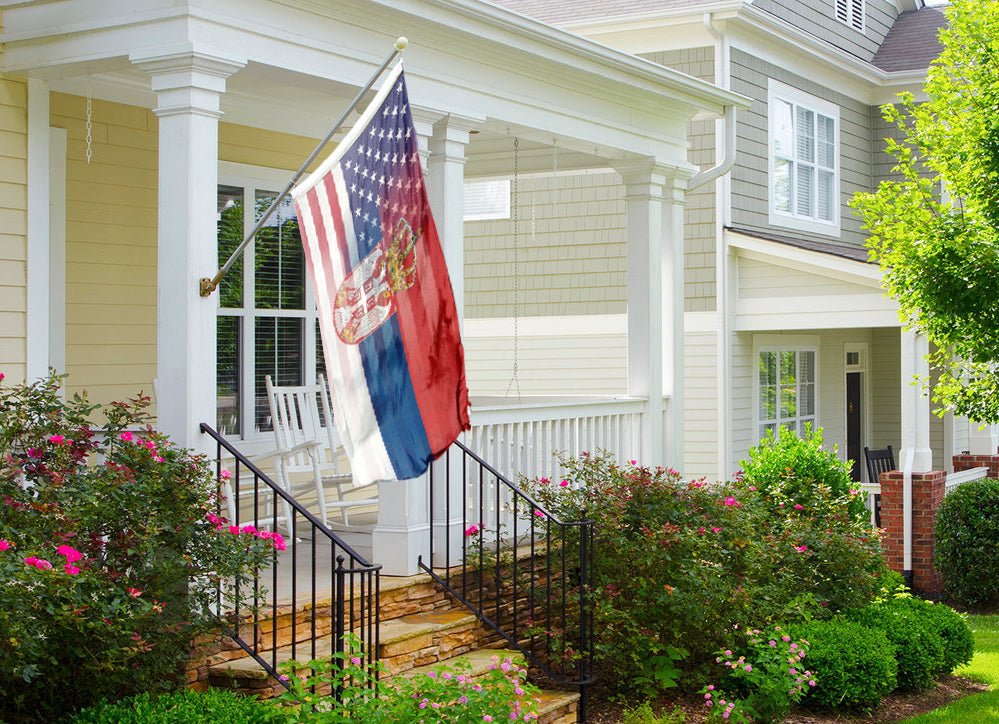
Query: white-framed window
{"x": 804, "y": 160}
{"x": 851, "y": 12}
{"x": 266, "y": 319}
{"x": 786, "y": 386}
{"x": 486, "y": 200}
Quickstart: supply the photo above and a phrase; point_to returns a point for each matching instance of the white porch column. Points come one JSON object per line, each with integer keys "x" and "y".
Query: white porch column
{"x": 654, "y": 195}
{"x": 915, "y": 454}
{"x": 446, "y": 186}
{"x": 983, "y": 440}
{"x": 188, "y": 86}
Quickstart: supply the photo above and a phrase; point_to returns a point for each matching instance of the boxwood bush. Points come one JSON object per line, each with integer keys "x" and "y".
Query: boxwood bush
{"x": 854, "y": 665}
{"x": 214, "y": 706}
{"x": 967, "y": 543}
{"x": 953, "y": 630}
{"x": 919, "y": 647}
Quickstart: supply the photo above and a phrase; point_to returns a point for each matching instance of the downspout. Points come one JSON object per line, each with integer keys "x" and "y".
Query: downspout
{"x": 725, "y": 138}
{"x": 907, "y": 465}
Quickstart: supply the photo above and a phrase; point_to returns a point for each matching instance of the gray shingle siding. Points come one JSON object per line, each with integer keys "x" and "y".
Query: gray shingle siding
{"x": 700, "y": 212}
{"x": 818, "y": 18}
{"x": 750, "y": 188}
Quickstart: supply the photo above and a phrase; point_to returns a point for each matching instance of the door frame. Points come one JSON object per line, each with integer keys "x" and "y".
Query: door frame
{"x": 861, "y": 365}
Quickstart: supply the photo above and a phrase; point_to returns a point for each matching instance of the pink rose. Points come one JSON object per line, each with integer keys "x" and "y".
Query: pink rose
{"x": 133, "y": 592}
{"x": 71, "y": 569}
{"x": 563, "y": 483}
{"x": 472, "y": 529}
{"x": 4, "y": 545}
{"x": 71, "y": 554}
{"x": 56, "y": 439}
{"x": 126, "y": 436}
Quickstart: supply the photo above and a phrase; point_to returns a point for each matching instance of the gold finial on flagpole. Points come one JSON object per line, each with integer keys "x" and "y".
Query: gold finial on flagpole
{"x": 401, "y": 42}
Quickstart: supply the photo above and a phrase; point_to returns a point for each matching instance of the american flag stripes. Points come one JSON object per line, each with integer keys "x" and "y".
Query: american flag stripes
{"x": 386, "y": 309}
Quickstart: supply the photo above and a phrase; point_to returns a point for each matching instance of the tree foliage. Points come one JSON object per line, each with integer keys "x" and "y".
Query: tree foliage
{"x": 935, "y": 227}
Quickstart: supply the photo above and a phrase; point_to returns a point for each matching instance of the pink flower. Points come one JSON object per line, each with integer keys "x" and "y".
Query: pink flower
{"x": 799, "y": 506}
{"x": 472, "y": 529}
{"x": 730, "y": 501}
{"x": 39, "y": 563}
{"x": 2, "y": 375}
{"x": 486, "y": 717}
{"x": 265, "y": 534}
{"x": 715, "y": 529}
{"x": 71, "y": 569}
{"x": 157, "y": 458}
{"x": 544, "y": 480}
{"x": 225, "y": 474}
{"x": 278, "y": 541}
{"x": 632, "y": 462}
{"x": 752, "y": 488}
{"x": 126, "y": 436}
{"x": 563, "y": 483}
{"x": 133, "y": 592}
{"x": 539, "y": 513}
{"x": 70, "y": 553}
{"x": 355, "y": 660}
{"x": 34, "y": 452}
{"x": 4, "y": 545}
{"x": 801, "y": 549}
{"x": 234, "y": 529}
{"x": 30, "y": 560}
{"x": 749, "y": 667}
{"x": 56, "y": 439}
{"x": 248, "y": 529}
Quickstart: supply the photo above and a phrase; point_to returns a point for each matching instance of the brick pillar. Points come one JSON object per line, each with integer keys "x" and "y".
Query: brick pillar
{"x": 927, "y": 493}
{"x": 966, "y": 462}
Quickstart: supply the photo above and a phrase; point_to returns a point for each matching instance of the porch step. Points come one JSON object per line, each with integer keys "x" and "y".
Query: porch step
{"x": 405, "y": 643}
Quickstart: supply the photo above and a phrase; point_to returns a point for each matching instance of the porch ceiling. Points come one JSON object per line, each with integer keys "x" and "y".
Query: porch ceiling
{"x": 305, "y": 59}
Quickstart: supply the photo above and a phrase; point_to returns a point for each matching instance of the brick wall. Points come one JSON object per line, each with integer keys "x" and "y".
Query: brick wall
{"x": 927, "y": 493}
{"x": 966, "y": 462}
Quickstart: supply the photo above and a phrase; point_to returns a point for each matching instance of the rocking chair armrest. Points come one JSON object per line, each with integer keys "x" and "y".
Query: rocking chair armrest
{"x": 351, "y": 503}
{"x": 307, "y": 446}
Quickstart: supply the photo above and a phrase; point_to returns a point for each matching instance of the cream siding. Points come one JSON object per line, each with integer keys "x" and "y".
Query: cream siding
{"x": 743, "y": 395}
{"x": 110, "y": 248}
{"x": 13, "y": 222}
{"x": 561, "y": 362}
{"x": 570, "y": 245}
{"x": 760, "y": 280}
{"x": 700, "y": 419}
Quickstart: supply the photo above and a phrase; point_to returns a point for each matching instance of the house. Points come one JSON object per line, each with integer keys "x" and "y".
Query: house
{"x": 785, "y": 319}
{"x": 140, "y": 139}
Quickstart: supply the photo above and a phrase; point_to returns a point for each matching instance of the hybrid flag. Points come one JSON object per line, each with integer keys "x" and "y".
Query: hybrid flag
{"x": 389, "y": 324}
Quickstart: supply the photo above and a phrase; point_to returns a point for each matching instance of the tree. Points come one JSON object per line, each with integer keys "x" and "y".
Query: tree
{"x": 935, "y": 228}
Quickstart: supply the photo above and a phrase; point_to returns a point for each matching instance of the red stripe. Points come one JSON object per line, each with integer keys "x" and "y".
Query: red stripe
{"x": 431, "y": 336}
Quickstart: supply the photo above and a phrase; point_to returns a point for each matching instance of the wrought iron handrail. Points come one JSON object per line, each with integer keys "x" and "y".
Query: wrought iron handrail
{"x": 352, "y": 587}
{"x": 522, "y": 571}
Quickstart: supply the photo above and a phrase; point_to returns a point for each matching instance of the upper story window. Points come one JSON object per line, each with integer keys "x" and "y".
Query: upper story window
{"x": 804, "y": 161}
{"x": 851, "y": 12}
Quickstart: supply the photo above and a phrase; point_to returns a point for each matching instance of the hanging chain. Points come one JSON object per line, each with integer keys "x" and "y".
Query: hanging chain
{"x": 514, "y": 380}
{"x": 90, "y": 123}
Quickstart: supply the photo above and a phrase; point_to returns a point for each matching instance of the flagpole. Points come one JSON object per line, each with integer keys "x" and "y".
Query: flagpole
{"x": 206, "y": 285}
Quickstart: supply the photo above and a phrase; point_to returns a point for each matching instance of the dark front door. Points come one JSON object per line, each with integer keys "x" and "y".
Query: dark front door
{"x": 853, "y": 418}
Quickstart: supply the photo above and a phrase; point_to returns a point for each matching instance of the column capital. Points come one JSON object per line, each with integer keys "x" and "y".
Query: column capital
{"x": 649, "y": 178}
{"x": 186, "y": 80}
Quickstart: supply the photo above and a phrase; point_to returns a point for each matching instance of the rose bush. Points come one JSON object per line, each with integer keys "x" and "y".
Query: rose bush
{"x": 112, "y": 553}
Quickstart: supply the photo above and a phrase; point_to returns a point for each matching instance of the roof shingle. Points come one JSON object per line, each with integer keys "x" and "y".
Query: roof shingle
{"x": 912, "y": 42}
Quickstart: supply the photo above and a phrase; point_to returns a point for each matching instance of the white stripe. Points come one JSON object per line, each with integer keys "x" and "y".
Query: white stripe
{"x": 351, "y": 399}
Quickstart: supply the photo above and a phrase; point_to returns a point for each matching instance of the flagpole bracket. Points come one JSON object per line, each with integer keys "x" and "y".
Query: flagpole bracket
{"x": 206, "y": 286}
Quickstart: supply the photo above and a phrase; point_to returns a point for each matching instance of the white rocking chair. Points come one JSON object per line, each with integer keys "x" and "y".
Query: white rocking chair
{"x": 308, "y": 447}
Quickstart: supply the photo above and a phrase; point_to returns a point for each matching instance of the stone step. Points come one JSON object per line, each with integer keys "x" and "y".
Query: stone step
{"x": 480, "y": 661}
{"x": 405, "y": 643}
{"x": 558, "y": 707}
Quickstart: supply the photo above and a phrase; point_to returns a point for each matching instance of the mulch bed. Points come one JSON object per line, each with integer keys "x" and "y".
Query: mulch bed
{"x": 895, "y": 707}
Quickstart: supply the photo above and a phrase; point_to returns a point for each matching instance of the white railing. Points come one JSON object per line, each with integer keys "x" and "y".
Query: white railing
{"x": 870, "y": 501}
{"x": 522, "y": 439}
{"x": 956, "y": 479}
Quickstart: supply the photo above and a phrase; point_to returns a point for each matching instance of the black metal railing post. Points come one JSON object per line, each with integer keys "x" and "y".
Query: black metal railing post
{"x": 495, "y": 576}
{"x": 344, "y": 563}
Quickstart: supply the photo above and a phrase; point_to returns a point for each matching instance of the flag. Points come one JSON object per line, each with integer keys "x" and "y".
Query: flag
{"x": 386, "y": 310}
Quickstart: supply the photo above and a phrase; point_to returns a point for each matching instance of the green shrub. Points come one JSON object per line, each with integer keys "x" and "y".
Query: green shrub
{"x": 953, "y": 630}
{"x": 109, "y": 556}
{"x": 214, "y": 706}
{"x": 967, "y": 543}
{"x": 919, "y": 648}
{"x": 789, "y": 470}
{"x": 680, "y": 565}
{"x": 854, "y": 665}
